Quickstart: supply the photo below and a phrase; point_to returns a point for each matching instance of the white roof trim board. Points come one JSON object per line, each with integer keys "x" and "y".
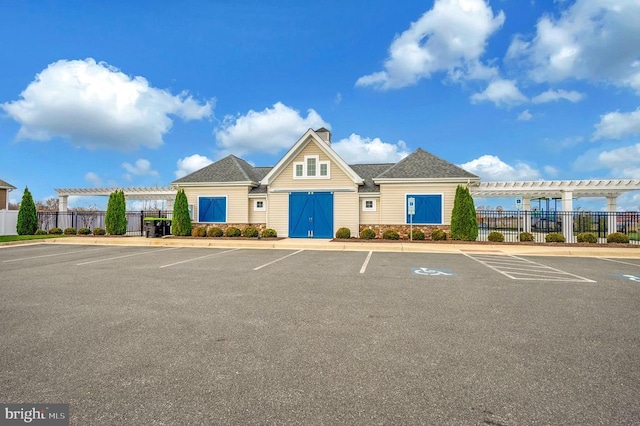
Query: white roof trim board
{"x": 130, "y": 193}
{"x": 555, "y": 188}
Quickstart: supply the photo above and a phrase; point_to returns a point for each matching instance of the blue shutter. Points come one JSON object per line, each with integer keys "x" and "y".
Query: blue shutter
{"x": 212, "y": 210}
{"x": 428, "y": 209}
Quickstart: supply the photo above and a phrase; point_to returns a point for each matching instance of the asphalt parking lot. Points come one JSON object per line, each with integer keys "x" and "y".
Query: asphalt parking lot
{"x": 141, "y": 335}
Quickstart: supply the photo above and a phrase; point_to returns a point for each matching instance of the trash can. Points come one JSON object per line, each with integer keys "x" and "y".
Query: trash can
{"x": 155, "y": 227}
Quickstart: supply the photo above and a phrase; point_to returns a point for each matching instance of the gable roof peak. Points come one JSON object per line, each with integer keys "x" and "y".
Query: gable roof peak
{"x": 421, "y": 164}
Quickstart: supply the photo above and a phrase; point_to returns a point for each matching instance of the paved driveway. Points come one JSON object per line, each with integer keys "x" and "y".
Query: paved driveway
{"x": 144, "y": 335}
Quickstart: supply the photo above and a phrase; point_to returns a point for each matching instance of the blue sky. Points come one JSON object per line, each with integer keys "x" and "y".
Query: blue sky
{"x": 127, "y": 93}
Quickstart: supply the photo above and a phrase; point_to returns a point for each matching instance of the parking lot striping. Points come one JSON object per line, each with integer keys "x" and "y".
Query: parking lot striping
{"x": 526, "y": 270}
{"x": 618, "y": 261}
{"x": 277, "y": 260}
{"x": 126, "y": 255}
{"x": 366, "y": 262}
{"x": 198, "y": 258}
{"x": 49, "y": 255}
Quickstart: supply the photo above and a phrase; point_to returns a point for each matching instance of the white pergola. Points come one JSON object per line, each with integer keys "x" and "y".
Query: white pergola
{"x": 566, "y": 190}
{"x": 131, "y": 193}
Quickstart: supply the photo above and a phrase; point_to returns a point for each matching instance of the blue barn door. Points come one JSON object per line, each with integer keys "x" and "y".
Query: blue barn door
{"x": 310, "y": 215}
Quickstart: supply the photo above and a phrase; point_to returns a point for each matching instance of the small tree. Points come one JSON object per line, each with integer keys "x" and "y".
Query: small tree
{"x": 115, "y": 220}
{"x": 464, "y": 224}
{"x": 181, "y": 221}
{"x": 27, "y": 215}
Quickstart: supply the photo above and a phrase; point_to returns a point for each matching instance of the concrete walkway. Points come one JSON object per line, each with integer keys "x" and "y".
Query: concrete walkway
{"x": 631, "y": 251}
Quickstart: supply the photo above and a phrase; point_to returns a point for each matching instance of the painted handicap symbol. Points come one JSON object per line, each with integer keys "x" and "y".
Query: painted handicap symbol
{"x": 433, "y": 272}
{"x": 632, "y": 277}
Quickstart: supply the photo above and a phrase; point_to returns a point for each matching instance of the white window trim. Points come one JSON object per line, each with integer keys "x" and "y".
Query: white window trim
{"x": 259, "y": 209}
{"x": 305, "y": 172}
{"x": 369, "y": 209}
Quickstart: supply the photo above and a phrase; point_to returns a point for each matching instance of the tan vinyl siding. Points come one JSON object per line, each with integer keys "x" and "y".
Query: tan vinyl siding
{"x": 369, "y": 217}
{"x": 338, "y": 179}
{"x": 392, "y": 200}
{"x": 237, "y": 201}
{"x": 278, "y": 213}
{"x": 345, "y": 211}
{"x": 257, "y": 216}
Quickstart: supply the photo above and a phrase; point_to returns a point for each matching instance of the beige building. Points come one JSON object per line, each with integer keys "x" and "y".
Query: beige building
{"x": 311, "y": 192}
{"x": 5, "y": 188}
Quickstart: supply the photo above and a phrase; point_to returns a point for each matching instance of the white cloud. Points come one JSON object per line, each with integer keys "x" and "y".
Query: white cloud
{"x": 451, "y": 37}
{"x": 591, "y": 39}
{"x": 188, "y": 165}
{"x": 491, "y": 168}
{"x": 93, "y": 179}
{"x": 555, "y": 95}
{"x": 551, "y": 171}
{"x": 142, "y": 167}
{"x": 624, "y": 162}
{"x": 617, "y": 125}
{"x": 95, "y": 105}
{"x": 501, "y": 93}
{"x": 525, "y": 115}
{"x": 269, "y": 131}
{"x": 356, "y": 149}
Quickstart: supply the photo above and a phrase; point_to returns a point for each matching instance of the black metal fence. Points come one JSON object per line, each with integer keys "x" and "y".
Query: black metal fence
{"x": 570, "y": 224}
{"x": 95, "y": 219}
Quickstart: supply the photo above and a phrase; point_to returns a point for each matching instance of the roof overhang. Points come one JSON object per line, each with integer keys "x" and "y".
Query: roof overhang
{"x": 213, "y": 184}
{"x": 461, "y": 180}
{"x": 130, "y": 193}
{"x": 556, "y": 188}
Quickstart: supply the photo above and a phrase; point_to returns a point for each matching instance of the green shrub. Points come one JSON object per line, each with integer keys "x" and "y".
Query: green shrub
{"x": 617, "y": 237}
{"x": 27, "y": 215}
{"x": 115, "y": 218}
{"x": 438, "y": 235}
{"x": 181, "y": 223}
{"x": 417, "y": 235}
{"x": 99, "y": 231}
{"x": 199, "y": 231}
{"x": 40, "y": 232}
{"x": 84, "y": 231}
{"x": 526, "y": 236}
{"x": 367, "y": 234}
{"x": 464, "y": 223}
{"x": 69, "y": 231}
{"x": 554, "y": 237}
{"x": 496, "y": 237}
{"x": 269, "y": 233}
{"x": 390, "y": 234}
{"x": 343, "y": 233}
{"x": 232, "y": 232}
{"x": 215, "y": 232}
{"x": 55, "y": 231}
{"x": 250, "y": 232}
{"x": 587, "y": 237}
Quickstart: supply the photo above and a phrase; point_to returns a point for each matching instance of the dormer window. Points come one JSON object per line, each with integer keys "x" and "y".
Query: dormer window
{"x": 311, "y": 168}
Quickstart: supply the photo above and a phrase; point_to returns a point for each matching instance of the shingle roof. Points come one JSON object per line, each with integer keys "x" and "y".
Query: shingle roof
{"x": 368, "y": 172}
{"x": 423, "y": 165}
{"x": 228, "y": 169}
{"x": 4, "y": 184}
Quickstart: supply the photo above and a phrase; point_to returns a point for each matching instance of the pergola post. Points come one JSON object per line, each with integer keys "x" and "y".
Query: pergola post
{"x": 567, "y": 219}
{"x": 63, "y": 203}
{"x": 526, "y": 208}
{"x": 611, "y": 217}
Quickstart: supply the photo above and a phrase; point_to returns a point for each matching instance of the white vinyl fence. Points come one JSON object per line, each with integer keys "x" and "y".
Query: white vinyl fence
{"x": 8, "y": 222}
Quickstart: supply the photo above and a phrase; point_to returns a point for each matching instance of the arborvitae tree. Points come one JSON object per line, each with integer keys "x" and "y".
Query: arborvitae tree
{"x": 27, "y": 215}
{"x": 181, "y": 223}
{"x": 464, "y": 224}
{"x": 115, "y": 220}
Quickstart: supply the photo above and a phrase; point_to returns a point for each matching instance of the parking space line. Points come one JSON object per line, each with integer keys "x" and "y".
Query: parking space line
{"x": 126, "y": 255}
{"x": 527, "y": 270}
{"x": 366, "y": 262}
{"x": 198, "y": 258}
{"x": 618, "y": 261}
{"x": 277, "y": 260}
{"x": 50, "y": 255}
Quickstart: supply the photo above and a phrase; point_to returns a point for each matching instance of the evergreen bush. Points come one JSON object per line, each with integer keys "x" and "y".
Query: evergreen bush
{"x": 69, "y": 231}
{"x": 27, "y": 215}
{"x": 84, "y": 231}
{"x": 464, "y": 224}
{"x": 215, "y": 232}
{"x": 390, "y": 234}
{"x": 617, "y": 237}
{"x": 587, "y": 237}
{"x": 181, "y": 221}
{"x": 496, "y": 237}
{"x": 41, "y": 232}
{"x": 269, "y": 233}
{"x": 116, "y": 217}
{"x": 343, "y": 233}
{"x": 417, "y": 235}
{"x": 367, "y": 234}
{"x": 55, "y": 231}
{"x": 554, "y": 237}
{"x": 99, "y": 231}
{"x": 438, "y": 235}
{"x": 250, "y": 232}
{"x": 232, "y": 232}
{"x": 526, "y": 236}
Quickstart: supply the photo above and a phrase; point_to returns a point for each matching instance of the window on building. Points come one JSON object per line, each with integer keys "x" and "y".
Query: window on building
{"x": 369, "y": 205}
{"x": 324, "y": 169}
{"x": 299, "y": 169}
{"x": 311, "y": 166}
{"x": 259, "y": 205}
